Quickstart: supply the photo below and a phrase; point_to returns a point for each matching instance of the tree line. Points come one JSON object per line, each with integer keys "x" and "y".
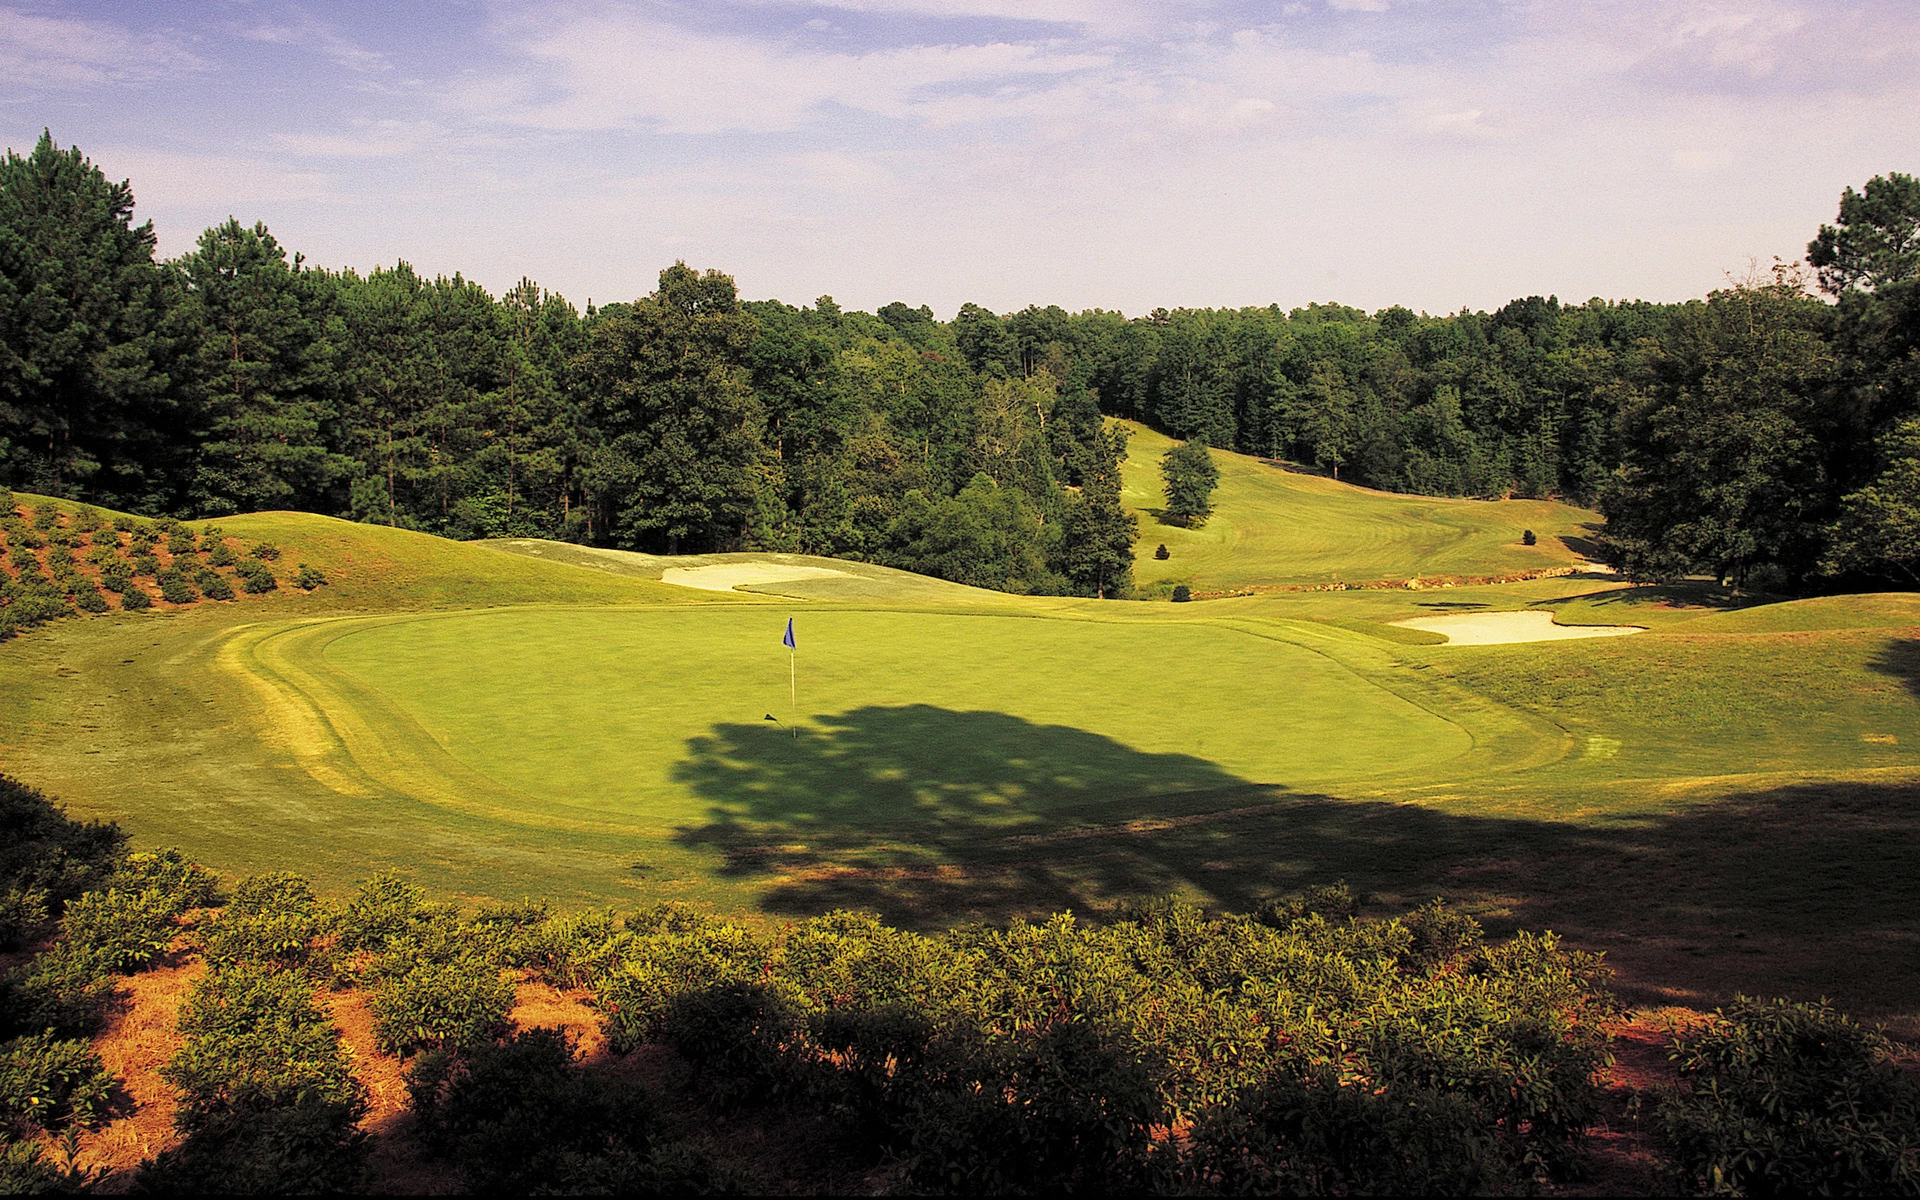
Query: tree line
{"x": 237, "y": 377}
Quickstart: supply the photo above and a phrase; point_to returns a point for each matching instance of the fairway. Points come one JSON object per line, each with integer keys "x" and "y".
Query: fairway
{"x": 656, "y": 719}
{"x": 1276, "y": 525}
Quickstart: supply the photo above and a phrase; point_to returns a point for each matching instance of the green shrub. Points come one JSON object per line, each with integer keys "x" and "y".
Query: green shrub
{"x": 666, "y": 959}
{"x": 27, "y": 1169}
{"x": 520, "y": 1116}
{"x": 45, "y": 515}
{"x": 46, "y": 858}
{"x": 146, "y": 564}
{"x": 185, "y": 882}
{"x": 386, "y": 910}
{"x": 125, "y": 524}
{"x": 1161, "y": 552}
{"x": 1440, "y": 934}
{"x": 309, "y": 578}
{"x": 1312, "y": 1137}
{"x": 50, "y": 1084}
{"x": 87, "y": 598}
{"x": 125, "y": 930}
{"x": 272, "y": 921}
{"x": 175, "y": 589}
{"x": 117, "y": 577}
{"x": 134, "y": 599}
{"x": 425, "y": 1003}
{"x": 103, "y": 556}
{"x": 64, "y": 990}
{"x": 220, "y": 554}
{"x": 1529, "y": 538}
{"x": 266, "y": 551}
{"x": 87, "y": 519}
{"x": 268, "y": 1101}
{"x": 213, "y": 586}
{"x": 255, "y": 1040}
{"x": 1786, "y": 1099}
{"x": 1182, "y": 593}
{"x": 255, "y": 576}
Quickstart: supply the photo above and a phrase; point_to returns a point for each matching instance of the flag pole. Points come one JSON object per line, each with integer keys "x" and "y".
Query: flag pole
{"x": 793, "y": 693}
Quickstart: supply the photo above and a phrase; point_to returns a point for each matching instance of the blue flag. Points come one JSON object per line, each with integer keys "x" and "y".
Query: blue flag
{"x": 787, "y": 640}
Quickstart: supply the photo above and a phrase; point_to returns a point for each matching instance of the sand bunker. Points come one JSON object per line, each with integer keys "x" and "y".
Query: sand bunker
{"x": 727, "y": 576}
{"x": 1500, "y": 628}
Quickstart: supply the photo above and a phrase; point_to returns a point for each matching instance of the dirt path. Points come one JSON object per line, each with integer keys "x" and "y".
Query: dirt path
{"x": 1502, "y": 628}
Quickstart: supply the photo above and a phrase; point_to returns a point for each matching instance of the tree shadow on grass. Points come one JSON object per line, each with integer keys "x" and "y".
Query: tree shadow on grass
{"x": 1900, "y": 659}
{"x": 933, "y": 817}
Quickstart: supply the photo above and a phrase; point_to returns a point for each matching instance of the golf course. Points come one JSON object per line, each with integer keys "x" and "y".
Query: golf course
{"x": 528, "y": 718}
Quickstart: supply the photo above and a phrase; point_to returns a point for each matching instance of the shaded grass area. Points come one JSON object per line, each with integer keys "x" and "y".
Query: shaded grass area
{"x": 1804, "y": 889}
{"x": 1274, "y": 526}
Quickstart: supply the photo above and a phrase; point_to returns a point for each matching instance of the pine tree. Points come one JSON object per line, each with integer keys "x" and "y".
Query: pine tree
{"x": 83, "y": 403}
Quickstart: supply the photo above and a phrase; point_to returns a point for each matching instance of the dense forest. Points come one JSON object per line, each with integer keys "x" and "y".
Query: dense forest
{"x": 1763, "y": 429}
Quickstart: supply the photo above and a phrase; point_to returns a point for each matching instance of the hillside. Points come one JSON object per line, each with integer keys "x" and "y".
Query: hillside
{"x": 1275, "y": 525}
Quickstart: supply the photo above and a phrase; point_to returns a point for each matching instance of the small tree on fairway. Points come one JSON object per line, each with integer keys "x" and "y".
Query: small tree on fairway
{"x": 1160, "y": 552}
{"x": 1190, "y": 477}
{"x": 1529, "y": 538}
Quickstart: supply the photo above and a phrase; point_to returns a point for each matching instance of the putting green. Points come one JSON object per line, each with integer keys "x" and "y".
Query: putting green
{"x": 635, "y": 718}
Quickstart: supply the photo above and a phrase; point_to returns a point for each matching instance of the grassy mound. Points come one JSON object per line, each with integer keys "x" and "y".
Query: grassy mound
{"x": 1272, "y": 525}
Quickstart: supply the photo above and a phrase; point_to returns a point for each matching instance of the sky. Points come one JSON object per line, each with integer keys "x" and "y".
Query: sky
{"x": 1110, "y": 154}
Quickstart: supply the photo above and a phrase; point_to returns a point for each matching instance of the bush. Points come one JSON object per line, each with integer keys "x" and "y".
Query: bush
{"x": 135, "y": 599}
{"x": 45, "y": 516}
{"x": 50, "y": 1084}
{"x": 272, "y": 922}
{"x": 212, "y": 585}
{"x": 267, "y": 1099}
{"x": 266, "y": 551}
{"x": 26, "y": 1169}
{"x": 124, "y": 930}
{"x": 425, "y": 1003}
{"x": 1440, "y": 934}
{"x": 125, "y": 524}
{"x": 1788, "y": 1099}
{"x": 146, "y": 564}
{"x": 309, "y": 578}
{"x": 521, "y": 1116}
{"x": 1160, "y": 552}
{"x": 46, "y": 858}
{"x": 1182, "y": 593}
{"x": 175, "y": 589}
{"x": 87, "y": 519}
{"x": 87, "y": 598}
{"x": 255, "y": 577}
{"x": 1313, "y": 1137}
{"x": 117, "y": 577}
{"x": 64, "y": 990}
{"x": 221, "y": 554}
{"x": 388, "y": 913}
{"x": 1529, "y": 538}
{"x": 104, "y": 557}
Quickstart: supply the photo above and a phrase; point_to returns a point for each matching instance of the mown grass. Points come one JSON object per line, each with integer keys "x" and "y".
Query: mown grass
{"x": 1726, "y": 802}
{"x": 1273, "y": 525}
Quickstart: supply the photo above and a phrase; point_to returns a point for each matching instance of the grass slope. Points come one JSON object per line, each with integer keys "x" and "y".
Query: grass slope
{"x": 1729, "y": 801}
{"x": 1272, "y": 525}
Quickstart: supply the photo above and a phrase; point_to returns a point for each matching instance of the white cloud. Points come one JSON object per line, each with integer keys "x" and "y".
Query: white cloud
{"x": 617, "y": 69}
{"x": 305, "y": 30}
{"x": 62, "y": 52}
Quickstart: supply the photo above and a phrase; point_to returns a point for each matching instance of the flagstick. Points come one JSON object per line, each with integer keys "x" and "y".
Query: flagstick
{"x": 793, "y": 690}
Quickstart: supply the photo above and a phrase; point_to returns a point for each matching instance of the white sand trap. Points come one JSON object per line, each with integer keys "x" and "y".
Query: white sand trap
{"x": 727, "y": 576}
{"x": 1500, "y": 628}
